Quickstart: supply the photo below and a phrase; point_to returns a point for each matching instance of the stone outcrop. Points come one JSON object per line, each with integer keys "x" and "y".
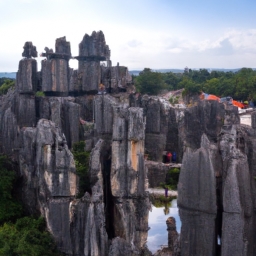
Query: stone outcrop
{"x": 164, "y": 126}
{"x": 55, "y": 69}
{"x": 173, "y": 235}
{"x": 216, "y": 186}
{"x": 158, "y": 172}
{"x": 38, "y": 132}
{"x": 173, "y": 248}
{"x": 29, "y": 50}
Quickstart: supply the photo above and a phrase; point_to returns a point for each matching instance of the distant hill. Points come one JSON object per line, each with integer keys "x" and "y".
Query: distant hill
{"x": 173, "y": 70}
{"x": 8, "y": 75}
{"x": 136, "y": 72}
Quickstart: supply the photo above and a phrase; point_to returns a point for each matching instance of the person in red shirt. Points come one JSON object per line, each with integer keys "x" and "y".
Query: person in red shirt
{"x": 168, "y": 157}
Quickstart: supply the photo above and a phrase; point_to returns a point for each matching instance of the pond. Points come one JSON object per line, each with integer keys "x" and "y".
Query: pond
{"x": 157, "y": 234}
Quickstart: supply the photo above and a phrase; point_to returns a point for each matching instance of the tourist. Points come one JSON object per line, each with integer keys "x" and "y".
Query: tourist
{"x": 168, "y": 157}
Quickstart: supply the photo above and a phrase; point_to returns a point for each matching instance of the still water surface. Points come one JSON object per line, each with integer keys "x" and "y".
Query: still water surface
{"x": 157, "y": 234}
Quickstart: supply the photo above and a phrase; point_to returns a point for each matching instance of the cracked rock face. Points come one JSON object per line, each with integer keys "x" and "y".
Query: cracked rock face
{"x": 216, "y": 186}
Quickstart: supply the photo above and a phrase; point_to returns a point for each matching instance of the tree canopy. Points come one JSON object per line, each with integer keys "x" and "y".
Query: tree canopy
{"x": 149, "y": 82}
{"x": 239, "y": 85}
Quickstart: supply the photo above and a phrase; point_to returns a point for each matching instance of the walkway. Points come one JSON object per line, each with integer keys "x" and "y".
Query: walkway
{"x": 160, "y": 191}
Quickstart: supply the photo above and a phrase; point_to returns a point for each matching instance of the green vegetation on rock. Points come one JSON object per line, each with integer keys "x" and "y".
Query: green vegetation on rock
{"x": 172, "y": 178}
{"x": 82, "y": 159}
{"x": 5, "y": 85}
{"x": 26, "y": 237}
{"x": 10, "y": 208}
{"x": 40, "y": 94}
{"x": 19, "y": 235}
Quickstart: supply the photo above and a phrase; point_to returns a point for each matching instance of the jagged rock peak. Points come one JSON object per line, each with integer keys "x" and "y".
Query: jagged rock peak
{"x": 29, "y": 50}
{"x": 94, "y": 45}
{"x": 62, "y": 46}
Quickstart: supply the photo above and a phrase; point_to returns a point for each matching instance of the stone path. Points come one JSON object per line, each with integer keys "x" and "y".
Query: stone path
{"x": 160, "y": 191}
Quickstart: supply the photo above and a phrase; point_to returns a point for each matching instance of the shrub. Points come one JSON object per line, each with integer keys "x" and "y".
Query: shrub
{"x": 40, "y": 94}
{"x": 82, "y": 159}
{"x": 172, "y": 178}
{"x": 27, "y": 237}
{"x": 174, "y": 100}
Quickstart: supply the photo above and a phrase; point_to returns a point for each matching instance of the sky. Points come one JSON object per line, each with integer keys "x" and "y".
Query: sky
{"x": 157, "y": 34}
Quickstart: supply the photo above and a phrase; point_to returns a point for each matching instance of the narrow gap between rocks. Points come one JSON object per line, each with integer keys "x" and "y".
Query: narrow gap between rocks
{"x": 218, "y": 221}
{"x": 108, "y": 198}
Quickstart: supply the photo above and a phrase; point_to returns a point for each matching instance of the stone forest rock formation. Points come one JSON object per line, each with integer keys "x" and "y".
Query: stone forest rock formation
{"x": 216, "y": 187}
{"x": 217, "y": 183}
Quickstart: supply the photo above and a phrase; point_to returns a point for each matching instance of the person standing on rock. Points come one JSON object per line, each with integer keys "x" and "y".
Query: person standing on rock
{"x": 174, "y": 157}
{"x": 166, "y": 191}
{"x": 168, "y": 157}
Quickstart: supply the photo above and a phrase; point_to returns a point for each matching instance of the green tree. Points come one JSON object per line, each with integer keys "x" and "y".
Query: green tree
{"x": 190, "y": 86}
{"x": 19, "y": 236}
{"x": 10, "y": 208}
{"x": 27, "y": 237}
{"x": 171, "y": 80}
{"x": 149, "y": 82}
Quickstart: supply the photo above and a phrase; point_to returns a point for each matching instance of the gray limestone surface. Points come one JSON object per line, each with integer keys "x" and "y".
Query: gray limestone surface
{"x": 217, "y": 193}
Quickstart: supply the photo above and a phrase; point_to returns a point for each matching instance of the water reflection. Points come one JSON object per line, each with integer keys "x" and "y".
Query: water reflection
{"x": 157, "y": 234}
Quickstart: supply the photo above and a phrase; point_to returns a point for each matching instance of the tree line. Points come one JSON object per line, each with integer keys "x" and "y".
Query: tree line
{"x": 239, "y": 85}
{"x": 6, "y": 84}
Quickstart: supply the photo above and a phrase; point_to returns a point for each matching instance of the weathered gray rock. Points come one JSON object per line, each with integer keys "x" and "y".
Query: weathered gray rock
{"x": 62, "y": 46}
{"x": 103, "y": 113}
{"x": 55, "y": 76}
{"x": 157, "y": 111}
{"x": 197, "y": 200}
{"x": 29, "y": 50}
{"x": 38, "y": 132}
{"x": 71, "y": 122}
{"x": 227, "y": 154}
{"x": 207, "y": 117}
{"x": 91, "y": 76}
{"x": 128, "y": 171}
{"x": 94, "y": 45}
{"x": 25, "y": 110}
{"x": 26, "y": 78}
{"x": 157, "y": 172}
{"x": 88, "y": 234}
{"x": 173, "y": 235}
{"x": 237, "y": 195}
{"x": 175, "y": 133}
{"x": 64, "y": 113}
{"x": 197, "y": 186}
{"x": 253, "y": 118}
{"x": 197, "y": 233}
{"x": 119, "y": 246}
{"x": 49, "y": 178}
{"x": 116, "y": 78}
{"x": 9, "y": 132}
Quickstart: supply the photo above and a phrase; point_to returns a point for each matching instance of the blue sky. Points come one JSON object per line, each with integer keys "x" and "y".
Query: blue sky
{"x": 140, "y": 33}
